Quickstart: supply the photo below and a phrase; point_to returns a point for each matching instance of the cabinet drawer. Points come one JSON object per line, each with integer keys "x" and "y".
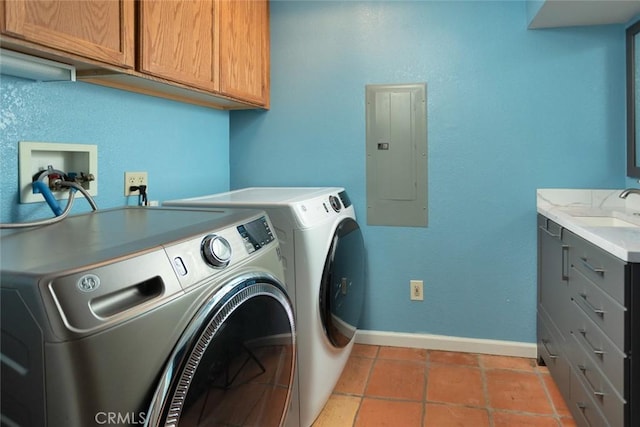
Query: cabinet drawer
{"x": 605, "y": 312}
{"x": 550, "y": 343}
{"x": 598, "y": 353}
{"x": 600, "y": 267}
{"x": 582, "y": 406}
{"x": 602, "y": 394}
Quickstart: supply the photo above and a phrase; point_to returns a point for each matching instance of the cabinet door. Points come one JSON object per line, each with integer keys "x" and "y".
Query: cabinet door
{"x": 178, "y": 40}
{"x": 99, "y": 30}
{"x": 244, "y": 50}
{"x": 553, "y": 286}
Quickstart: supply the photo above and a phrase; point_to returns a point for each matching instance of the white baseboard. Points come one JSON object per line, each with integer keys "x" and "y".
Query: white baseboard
{"x": 447, "y": 343}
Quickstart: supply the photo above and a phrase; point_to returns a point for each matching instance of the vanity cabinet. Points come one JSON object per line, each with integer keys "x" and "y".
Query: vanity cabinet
{"x": 208, "y": 52}
{"x": 100, "y": 30}
{"x": 588, "y": 331}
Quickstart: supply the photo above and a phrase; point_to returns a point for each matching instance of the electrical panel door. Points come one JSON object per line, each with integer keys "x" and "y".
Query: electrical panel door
{"x": 397, "y": 155}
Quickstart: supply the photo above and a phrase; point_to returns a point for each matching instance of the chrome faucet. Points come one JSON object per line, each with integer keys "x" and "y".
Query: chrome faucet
{"x": 628, "y": 191}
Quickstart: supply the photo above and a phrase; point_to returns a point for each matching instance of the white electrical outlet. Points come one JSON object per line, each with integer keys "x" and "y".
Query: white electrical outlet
{"x": 416, "y": 290}
{"x": 134, "y": 179}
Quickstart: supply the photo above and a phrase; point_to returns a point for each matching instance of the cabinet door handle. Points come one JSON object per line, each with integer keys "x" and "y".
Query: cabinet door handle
{"x": 546, "y": 347}
{"x": 565, "y": 263}
{"x": 597, "y": 311}
{"x": 556, "y": 236}
{"x": 597, "y": 270}
{"x": 595, "y": 351}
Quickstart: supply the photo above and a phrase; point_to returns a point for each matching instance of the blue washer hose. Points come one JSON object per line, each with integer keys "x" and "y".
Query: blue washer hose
{"x": 42, "y": 188}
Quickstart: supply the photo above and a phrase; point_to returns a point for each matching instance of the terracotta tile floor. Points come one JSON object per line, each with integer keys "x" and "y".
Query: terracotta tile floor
{"x": 394, "y": 386}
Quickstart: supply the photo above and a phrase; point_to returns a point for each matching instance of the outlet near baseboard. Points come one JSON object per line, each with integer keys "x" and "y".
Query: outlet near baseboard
{"x": 416, "y": 290}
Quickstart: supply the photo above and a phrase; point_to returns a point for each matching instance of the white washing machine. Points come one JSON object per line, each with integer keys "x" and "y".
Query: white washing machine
{"x": 152, "y": 316}
{"x": 324, "y": 261}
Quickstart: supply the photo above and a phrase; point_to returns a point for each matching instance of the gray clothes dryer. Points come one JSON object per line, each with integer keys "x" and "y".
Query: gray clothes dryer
{"x": 146, "y": 316}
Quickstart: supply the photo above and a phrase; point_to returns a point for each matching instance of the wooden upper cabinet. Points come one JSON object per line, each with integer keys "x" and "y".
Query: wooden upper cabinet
{"x": 101, "y": 30}
{"x": 244, "y": 49}
{"x": 207, "y": 52}
{"x": 178, "y": 41}
{"x": 216, "y": 45}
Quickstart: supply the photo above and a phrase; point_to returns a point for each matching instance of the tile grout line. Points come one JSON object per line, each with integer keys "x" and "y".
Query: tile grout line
{"x": 485, "y": 390}
{"x": 427, "y": 368}
{"x": 549, "y": 397}
{"x": 366, "y": 384}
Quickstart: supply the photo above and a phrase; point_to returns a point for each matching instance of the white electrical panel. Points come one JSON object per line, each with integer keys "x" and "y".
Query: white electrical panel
{"x": 38, "y": 156}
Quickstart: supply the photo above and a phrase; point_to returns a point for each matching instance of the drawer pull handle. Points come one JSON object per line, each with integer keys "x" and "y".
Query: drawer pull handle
{"x": 598, "y": 394}
{"x": 582, "y": 406}
{"x": 597, "y": 311}
{"x": 546, "y": 347}
{"x": 598, "y": 271}
{"x": 595, "y": 351}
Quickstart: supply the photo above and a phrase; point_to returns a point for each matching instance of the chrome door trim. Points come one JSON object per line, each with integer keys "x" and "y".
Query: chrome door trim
{"x": 206, "y": 322}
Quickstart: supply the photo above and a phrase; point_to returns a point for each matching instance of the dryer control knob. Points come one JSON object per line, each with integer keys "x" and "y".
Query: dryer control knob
{"x": 216, "y": 251}
{"x": 335, "y": 203}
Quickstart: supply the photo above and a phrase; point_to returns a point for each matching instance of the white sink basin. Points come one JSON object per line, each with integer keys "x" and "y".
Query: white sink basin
{"x": 603, "y": 221}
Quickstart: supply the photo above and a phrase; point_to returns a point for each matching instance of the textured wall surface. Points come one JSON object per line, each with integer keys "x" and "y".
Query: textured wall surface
{"x": 509, "y": 110}
{"x": 184, "y": 148}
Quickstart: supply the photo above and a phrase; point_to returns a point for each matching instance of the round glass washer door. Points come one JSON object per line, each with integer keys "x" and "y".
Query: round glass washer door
{"x": 235, "y": 363}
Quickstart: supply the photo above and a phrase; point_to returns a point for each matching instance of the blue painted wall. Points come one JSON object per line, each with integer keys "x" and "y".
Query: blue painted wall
{"x": 184, "y": 148}
{"x": 509, "y": 110}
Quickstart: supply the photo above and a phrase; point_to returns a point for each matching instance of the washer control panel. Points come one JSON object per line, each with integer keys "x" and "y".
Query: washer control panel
{"x": 202, "y": 257}
{"x": 256, "y": 234}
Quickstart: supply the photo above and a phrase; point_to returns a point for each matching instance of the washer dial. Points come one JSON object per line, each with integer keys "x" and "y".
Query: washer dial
{"x": 216, "y": 251}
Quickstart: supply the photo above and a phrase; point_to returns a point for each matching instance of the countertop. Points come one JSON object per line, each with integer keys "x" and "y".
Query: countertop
{"x": 563, "y": 205}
